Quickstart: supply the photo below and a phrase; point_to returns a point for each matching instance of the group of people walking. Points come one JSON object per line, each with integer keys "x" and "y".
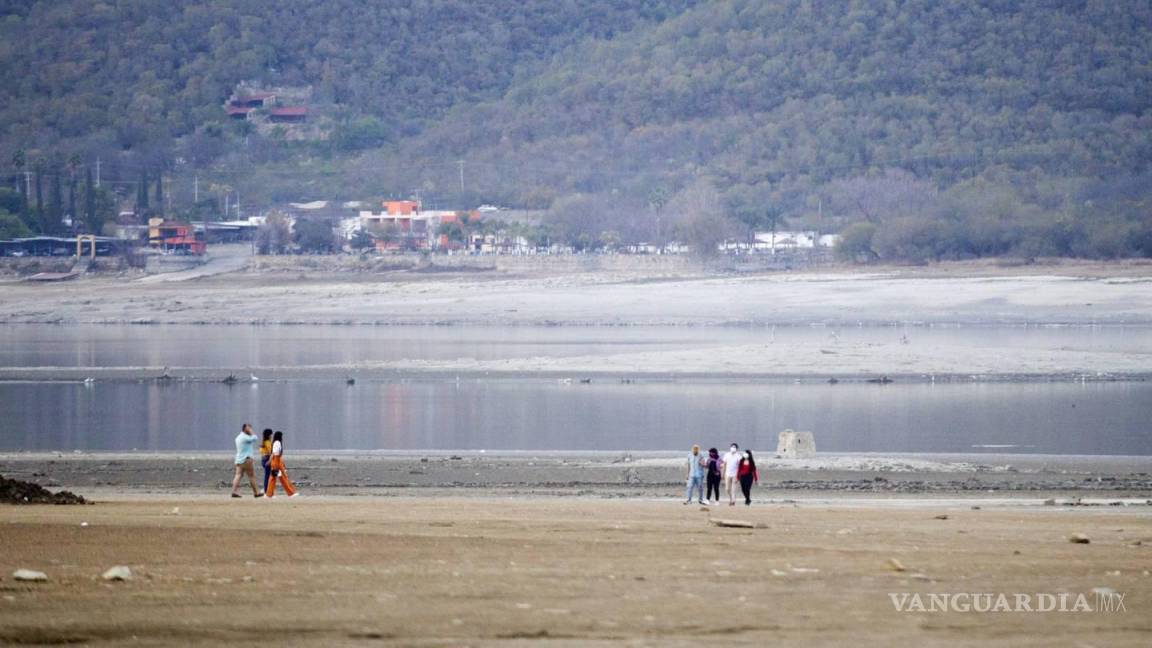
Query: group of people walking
{"x": 271, "y": 458}
{"x": 709, "y": 470}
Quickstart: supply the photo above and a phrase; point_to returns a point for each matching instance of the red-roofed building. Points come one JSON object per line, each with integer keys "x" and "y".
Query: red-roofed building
{"x": 237, "y": 112}
{"x": 288, "y": 114}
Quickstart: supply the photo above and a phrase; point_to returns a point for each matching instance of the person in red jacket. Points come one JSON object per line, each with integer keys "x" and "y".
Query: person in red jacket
{"x": 747, "y": 475}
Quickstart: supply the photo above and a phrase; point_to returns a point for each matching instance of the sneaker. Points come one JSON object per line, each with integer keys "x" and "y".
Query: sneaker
{"x": 236, "y": 495}
{"x": 294, "y": 495}
{"x": 703, "y": 503}
{"x": 260, "y": 494}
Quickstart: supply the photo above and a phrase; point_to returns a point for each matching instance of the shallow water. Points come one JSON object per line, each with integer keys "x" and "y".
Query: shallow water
{"x": 544, "y": 414}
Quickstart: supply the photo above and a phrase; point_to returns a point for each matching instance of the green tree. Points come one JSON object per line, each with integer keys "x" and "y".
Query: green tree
{"x": 314, "y": 235}
{"x": 12, "y": 227}
{"x": 855, "y": 243}
{"x": 362, "y": 240}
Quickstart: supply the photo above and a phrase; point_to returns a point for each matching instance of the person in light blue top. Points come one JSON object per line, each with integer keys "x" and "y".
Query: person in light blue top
{"x": 695, "y": 476}
{"x": 245, "y": 451}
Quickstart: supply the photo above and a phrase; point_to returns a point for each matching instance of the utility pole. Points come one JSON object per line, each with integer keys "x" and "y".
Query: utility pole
{"x": 195, "y": 189}
{"x": 28, "y": 186}
{"x": 97, "y": 172}
{"x": 461, "y": 163}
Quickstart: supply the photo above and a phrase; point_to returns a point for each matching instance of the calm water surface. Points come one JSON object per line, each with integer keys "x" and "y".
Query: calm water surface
{"x": 543, "y": 414}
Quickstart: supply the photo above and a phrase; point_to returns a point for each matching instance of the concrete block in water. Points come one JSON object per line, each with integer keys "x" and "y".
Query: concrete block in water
{"x": 796, "y": 445}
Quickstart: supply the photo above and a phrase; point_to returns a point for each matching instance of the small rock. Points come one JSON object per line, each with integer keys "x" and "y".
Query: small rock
{"x": 941, "y": 517}
{"x": 975, "y": 508}
{"x": 1050, "y": 502}
{"x": 1079, "y": 538}
{"x": 174, "y": 511}
{"x": 83, "y": 524}
{"x": 117, "y": 573}
{"x": 29, "y": 575}
{"x": 896, "y": 565}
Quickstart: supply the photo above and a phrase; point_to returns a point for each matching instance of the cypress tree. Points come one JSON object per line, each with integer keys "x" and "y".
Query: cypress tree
{"x": 40, "y": 197}
{"x": 160, "y": 192}
{"x": 142, "y": 195}
{"x": 55, "y": 215}
{"x": 90, "y": 203}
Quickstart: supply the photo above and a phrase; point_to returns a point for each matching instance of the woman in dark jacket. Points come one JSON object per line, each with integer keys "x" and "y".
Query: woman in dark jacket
{"x": 713, "y": 474}
{"x": 747, "y": 475}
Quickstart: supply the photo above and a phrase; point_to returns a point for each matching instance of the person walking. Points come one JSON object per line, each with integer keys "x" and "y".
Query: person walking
{"x": 695, "y": 475}
{"x": 278, "y": 471}
{"x": 242, "y": 464}
{"x": 266, "y": 456}
{"x": 713, "y": 476}
{"x": 730, "y": 466}
{"x": 747, "y": 475}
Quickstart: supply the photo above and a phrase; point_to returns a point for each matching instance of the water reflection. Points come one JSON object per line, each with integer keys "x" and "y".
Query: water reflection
{"x": 1093, "y": 418}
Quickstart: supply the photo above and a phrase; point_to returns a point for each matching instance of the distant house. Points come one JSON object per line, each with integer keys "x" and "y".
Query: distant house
{"x": 239, "y": 106}
{"x": 401, "y": 207}
{"x": 180, "y": 238}
{"x": 288, "y": 114}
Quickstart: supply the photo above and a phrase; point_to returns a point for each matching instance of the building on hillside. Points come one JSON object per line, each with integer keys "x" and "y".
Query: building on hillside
{"x": 288, "y": 114}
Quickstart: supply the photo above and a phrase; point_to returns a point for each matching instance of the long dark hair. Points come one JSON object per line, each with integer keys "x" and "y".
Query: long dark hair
{"x": 267, "y": 433}
{"x": 713, "y": 453}
{"x": 279, "y": 436}
{"x": 750, "y": 460}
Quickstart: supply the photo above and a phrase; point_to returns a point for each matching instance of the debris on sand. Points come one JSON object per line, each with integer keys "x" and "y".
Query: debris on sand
{"x": 29, "y": 575}
{"x": 736, "y": 524}
{"x": 1079, "y": 538}
{"x": 941, "y": 517}
{"x": 14, "y": 491}
{"x": 896, "y": 565}
{"x": 117, "y": 573}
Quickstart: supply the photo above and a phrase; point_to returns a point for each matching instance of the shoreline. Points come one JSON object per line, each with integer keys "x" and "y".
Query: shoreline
{"x": 599, "y": 474}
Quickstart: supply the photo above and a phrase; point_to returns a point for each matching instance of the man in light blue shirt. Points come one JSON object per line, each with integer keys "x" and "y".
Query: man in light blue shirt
{"x": 245, "y": 451}
{"x": 695, "y": 476}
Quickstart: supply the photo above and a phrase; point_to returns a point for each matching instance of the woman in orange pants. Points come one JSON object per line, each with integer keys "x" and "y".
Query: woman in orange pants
{"x": 277, "y": 466}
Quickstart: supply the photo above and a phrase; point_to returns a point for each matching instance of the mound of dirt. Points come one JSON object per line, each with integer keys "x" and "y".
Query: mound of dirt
{"x": 14, "y": 491}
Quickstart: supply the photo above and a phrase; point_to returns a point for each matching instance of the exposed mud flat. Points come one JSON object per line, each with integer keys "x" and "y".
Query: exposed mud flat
{"x": 962, "y": 295}
{"x": 496, "y": 570}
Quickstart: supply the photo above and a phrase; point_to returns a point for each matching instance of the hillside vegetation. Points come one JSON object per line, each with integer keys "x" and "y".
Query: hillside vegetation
{"x": 921, "y": 129}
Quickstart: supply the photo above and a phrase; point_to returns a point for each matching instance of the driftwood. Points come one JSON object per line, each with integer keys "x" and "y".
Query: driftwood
{"x": 738, "y": 524}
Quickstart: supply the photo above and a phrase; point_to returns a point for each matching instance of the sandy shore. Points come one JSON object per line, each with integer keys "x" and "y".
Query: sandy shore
{"x": 495, "y": 571}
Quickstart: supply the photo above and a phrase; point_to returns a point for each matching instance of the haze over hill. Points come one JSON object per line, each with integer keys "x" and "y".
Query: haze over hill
{"x": 922, "y": 130}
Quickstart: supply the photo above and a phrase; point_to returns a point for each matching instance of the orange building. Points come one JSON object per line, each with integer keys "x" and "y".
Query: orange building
{"x": 401, "y": 207}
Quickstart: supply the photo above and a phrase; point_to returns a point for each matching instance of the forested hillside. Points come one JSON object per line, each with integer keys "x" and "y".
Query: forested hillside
{"x": 929, "y": 129}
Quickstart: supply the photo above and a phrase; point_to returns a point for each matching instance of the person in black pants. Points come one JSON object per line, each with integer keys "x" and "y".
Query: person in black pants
{"x": 747, "y": 475}
{"x": 713, "y": 474}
